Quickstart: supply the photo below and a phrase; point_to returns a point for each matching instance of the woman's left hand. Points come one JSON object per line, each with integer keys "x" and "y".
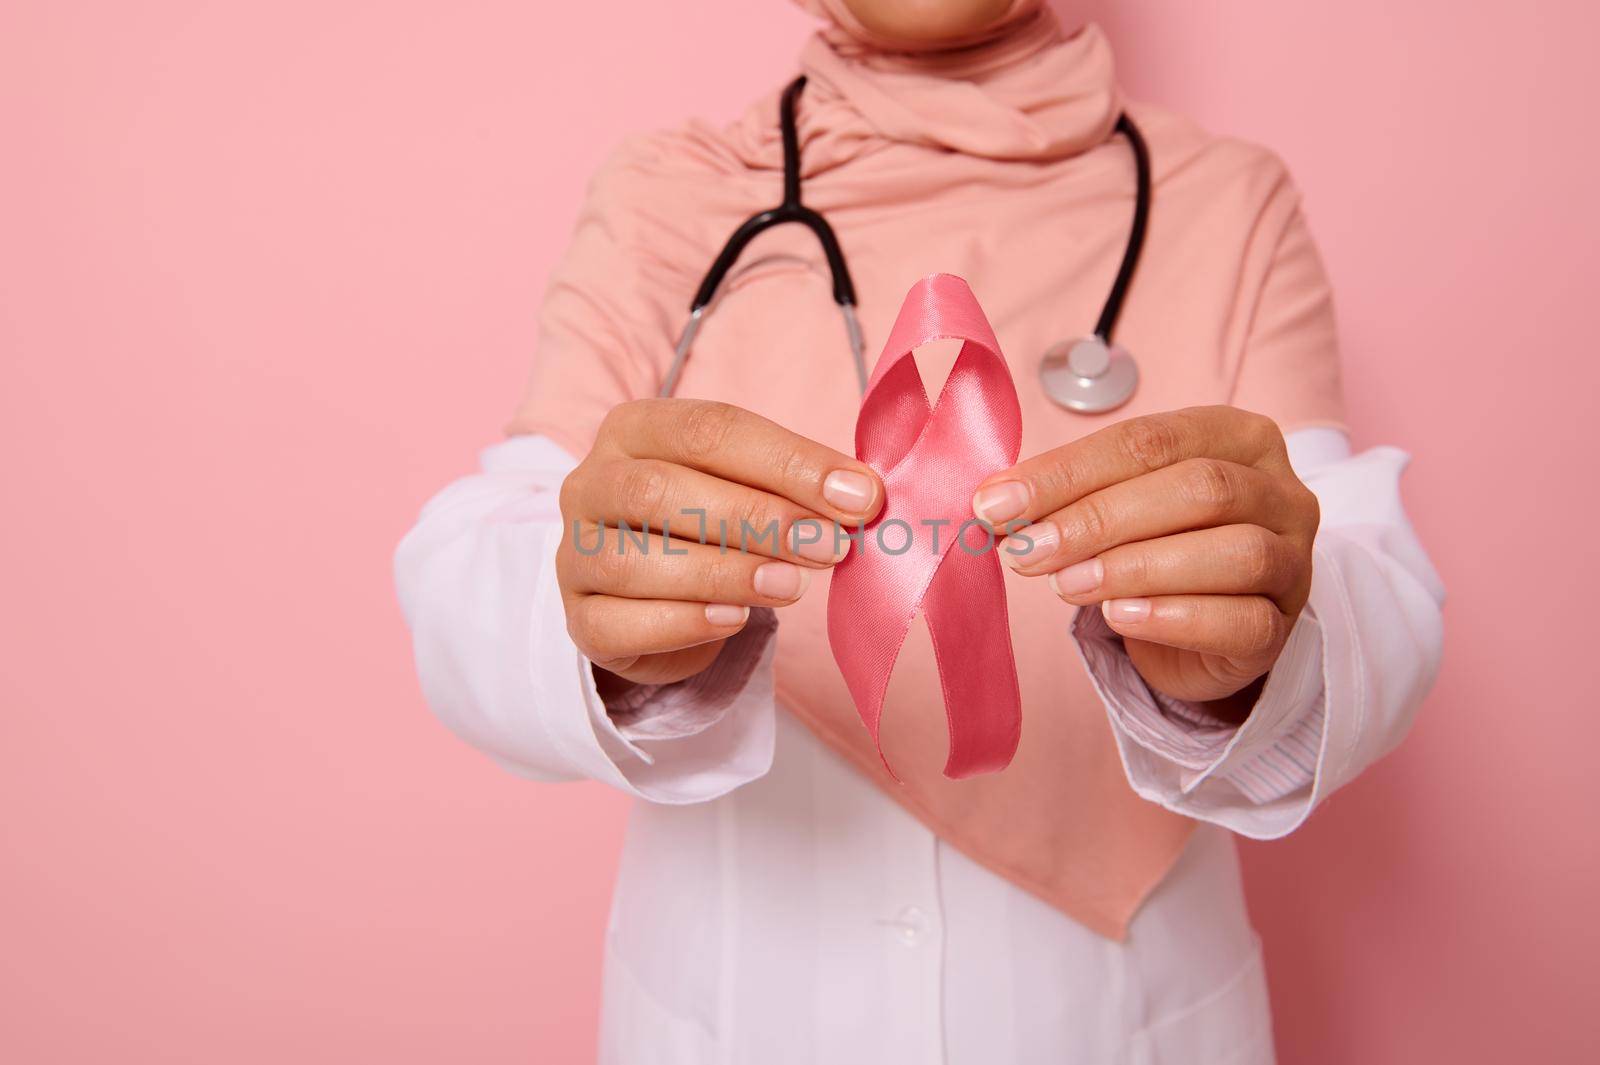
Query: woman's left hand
{"x": 1189, "y": 528}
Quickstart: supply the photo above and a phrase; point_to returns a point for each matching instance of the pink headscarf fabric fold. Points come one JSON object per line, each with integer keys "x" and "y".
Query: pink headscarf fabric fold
{"x": 994, "y": 162}
{"x": 1028, "y": 92}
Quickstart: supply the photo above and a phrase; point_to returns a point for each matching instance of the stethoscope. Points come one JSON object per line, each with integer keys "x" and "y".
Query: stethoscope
{"x": 1090, "y": 375}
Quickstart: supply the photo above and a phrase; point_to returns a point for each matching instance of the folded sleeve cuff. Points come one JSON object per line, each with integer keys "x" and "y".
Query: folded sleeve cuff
{"x": 672, "y": 747}
{"x": 477, "y": 583}
{"x": 1178, "y": 754}
{"x": 692, "y": 705}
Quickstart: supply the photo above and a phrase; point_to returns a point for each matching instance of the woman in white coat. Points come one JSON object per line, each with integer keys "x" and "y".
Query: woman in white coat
{"x": 1224, "y": 615}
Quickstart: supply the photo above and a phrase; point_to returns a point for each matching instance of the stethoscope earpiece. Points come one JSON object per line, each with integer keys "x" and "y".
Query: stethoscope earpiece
{"x": 1088, "y": 375}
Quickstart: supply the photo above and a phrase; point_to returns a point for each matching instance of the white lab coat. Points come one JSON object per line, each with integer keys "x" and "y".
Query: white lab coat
{"x": 773, "y": 906}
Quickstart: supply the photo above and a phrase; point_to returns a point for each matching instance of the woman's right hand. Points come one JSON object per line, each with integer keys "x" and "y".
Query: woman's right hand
{"x": 653, "y": 610}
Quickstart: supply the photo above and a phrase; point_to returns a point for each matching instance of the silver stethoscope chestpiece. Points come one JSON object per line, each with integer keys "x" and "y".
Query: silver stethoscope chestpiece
{"x": 1088, "y": 375}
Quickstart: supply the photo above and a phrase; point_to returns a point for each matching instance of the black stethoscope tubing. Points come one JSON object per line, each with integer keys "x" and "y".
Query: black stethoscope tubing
{"x": 790, "y": 209}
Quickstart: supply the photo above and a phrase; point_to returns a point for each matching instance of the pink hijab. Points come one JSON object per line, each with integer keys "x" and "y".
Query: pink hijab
{"x": 994, "y": 162}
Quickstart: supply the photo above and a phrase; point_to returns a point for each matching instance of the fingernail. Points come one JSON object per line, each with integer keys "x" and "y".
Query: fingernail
{"x": 780, "y": 580}
{"x": 1083, "y": 578}
{"x": 1000, "y": 502}
{"x": 1030, "y": 545}
{"x": 726, "y": 614}
{"x": 848, "y": 490}
{"x": 823, "y": 550}
{"x": 1125, "y": 611}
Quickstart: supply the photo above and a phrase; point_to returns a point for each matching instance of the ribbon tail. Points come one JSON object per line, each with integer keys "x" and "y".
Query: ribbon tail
{"x": 977, "y": 667}
{"x": 869, "y": 616}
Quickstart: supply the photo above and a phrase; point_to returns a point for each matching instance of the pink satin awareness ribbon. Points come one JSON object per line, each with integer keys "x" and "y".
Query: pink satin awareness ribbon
{"x": 931, "y": 460}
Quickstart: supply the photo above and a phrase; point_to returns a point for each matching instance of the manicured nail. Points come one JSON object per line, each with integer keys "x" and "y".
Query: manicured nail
{"x": 822, "y": 550}
{"x": 781, "y": 580}
{"x": 1083, "y": 578}
{"x": 1125, "y": 611}
{"x": 999, "y": 503}
{"x": 848, "y": 490}
{"x": 1030, "y": 545}
{"x": 726, "y": 614}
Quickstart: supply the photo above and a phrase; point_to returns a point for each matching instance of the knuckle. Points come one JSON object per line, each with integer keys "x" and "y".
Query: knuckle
{"x": 705, "y": 427}
{"x": 1151, "y": 442}
{"x": 1209, "y": 484}
{"x": 1310, "y": 508}
{"x": 1258, "y": 431}
{"x": 580, "y": 625}
{"x": 571, "y": 490}
{"x": 619, "y": 417}
{"x": 1266, "y": 433}
{"x": 1258, "y": 557}
{"x": 614, "y": 565}
{"x": 1129, "y": 568}
{"x": 1258, "y": 428}
{"x": 753, "y": 521}
{"x": 1094, "y": 519}
{"x": 574, "y": 555}
{"x": 792, "y": 463}
{"x": 566, "y": 564}
{"x": 1055, "y": 480}
{"x": 645, "y": 485}
{"x": 1258, "y": 629}
{"x": 723, "y": 577}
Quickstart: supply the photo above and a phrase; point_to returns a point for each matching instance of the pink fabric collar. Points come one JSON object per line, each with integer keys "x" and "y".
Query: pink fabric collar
{"x": 1033, "y": 94}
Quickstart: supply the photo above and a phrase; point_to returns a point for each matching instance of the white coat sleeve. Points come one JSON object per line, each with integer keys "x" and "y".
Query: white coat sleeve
{"x": 1343, "y": 692}
{"x": 477, "y": 584}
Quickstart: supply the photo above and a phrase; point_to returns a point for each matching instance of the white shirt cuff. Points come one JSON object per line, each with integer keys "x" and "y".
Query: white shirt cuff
{"x": 1271, "y": 755}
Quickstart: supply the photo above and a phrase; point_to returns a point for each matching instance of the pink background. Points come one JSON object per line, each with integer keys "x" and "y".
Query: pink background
{"x": 268, "y": 275}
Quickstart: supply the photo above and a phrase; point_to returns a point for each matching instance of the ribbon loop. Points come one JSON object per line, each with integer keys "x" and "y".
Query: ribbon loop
{"x": 925, "y": 549}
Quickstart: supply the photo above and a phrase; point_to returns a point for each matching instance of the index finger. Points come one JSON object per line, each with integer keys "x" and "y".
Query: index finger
{"x": 737, "y": 445}
{"x": 1048, "y": 482}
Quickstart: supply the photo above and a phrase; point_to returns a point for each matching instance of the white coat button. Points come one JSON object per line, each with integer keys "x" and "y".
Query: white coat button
{"x": 913, "y": 925}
